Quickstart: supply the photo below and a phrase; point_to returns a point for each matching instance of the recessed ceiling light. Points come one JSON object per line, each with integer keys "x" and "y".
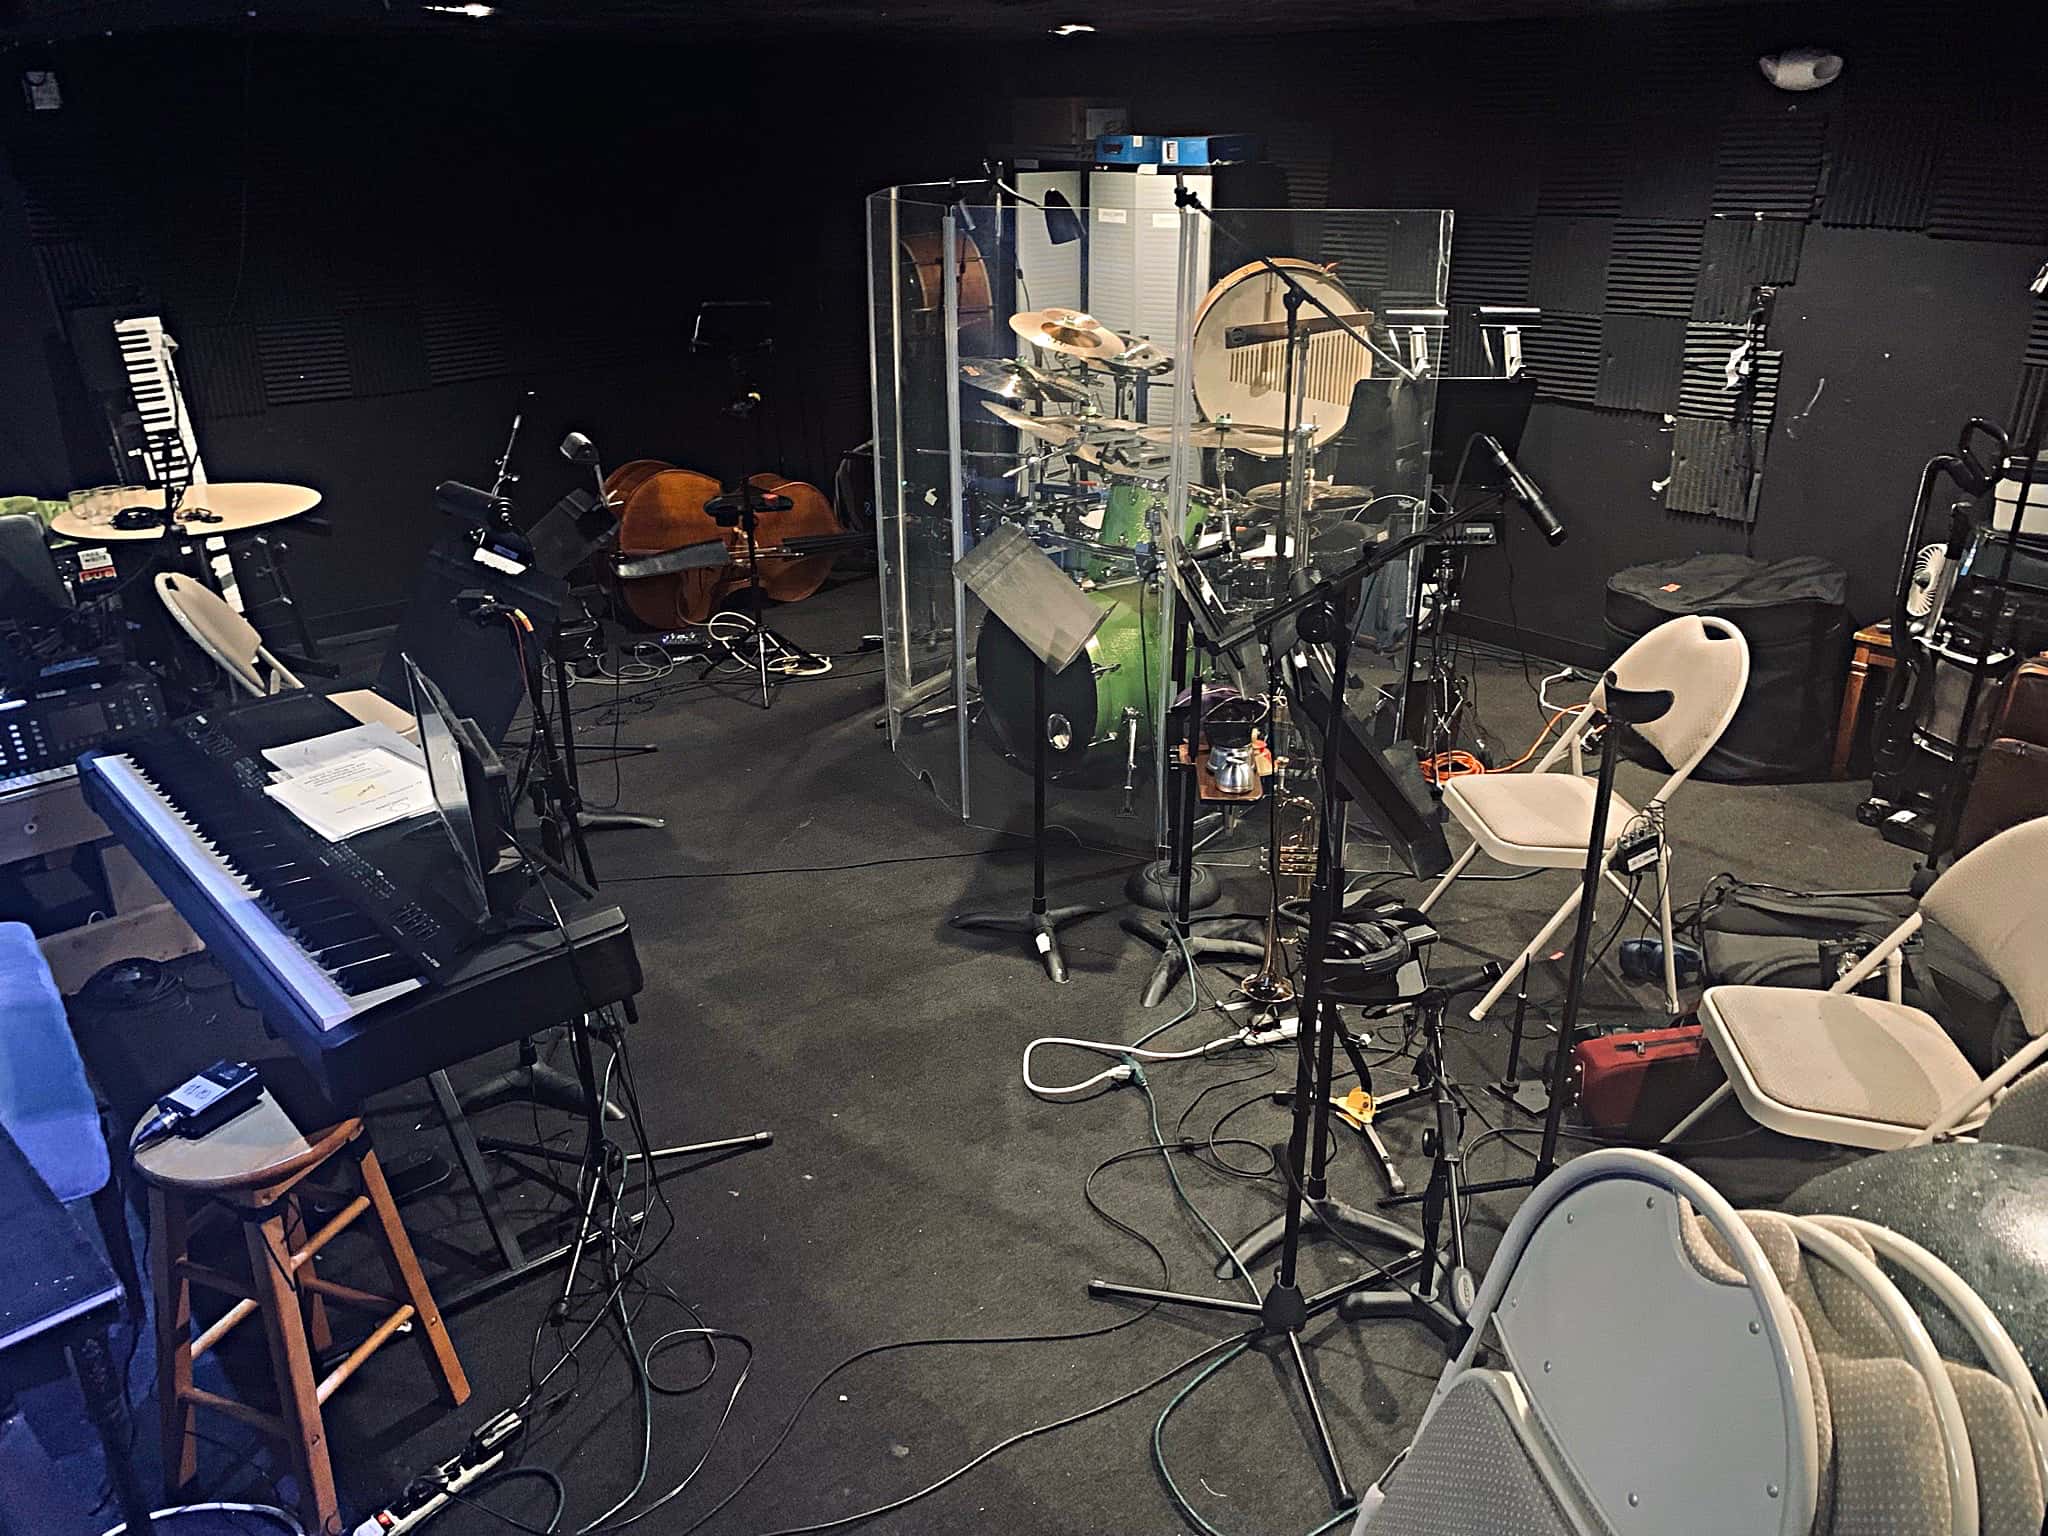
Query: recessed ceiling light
{"x": 476, "y": 10}
{"x": 1069, "y": 28}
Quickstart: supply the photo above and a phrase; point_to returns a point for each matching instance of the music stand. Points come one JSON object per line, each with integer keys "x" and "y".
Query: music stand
{"x": 1032, "y": 598}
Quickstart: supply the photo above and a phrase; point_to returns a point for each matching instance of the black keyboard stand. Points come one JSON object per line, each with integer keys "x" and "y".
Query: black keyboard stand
{"x": 518, "y": 1264}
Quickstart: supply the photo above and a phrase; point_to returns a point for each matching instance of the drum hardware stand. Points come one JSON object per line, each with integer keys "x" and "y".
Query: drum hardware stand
{"x": 1024, "y": 590}
{"x": 1621, "y": 710}
{"x": 1173, "y": 882}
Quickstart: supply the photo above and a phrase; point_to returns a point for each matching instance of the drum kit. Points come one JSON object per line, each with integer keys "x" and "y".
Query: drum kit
{"x": 1090, "y": 488}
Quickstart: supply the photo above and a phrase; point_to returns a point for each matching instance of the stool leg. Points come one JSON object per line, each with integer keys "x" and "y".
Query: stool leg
{"x": 403, "y": 1266}
{"x": 167, "y": 1220}
{"x": 318, "y": 1328}
{"x": 1852, "y": 707}
{"x": 291, "y": 1367}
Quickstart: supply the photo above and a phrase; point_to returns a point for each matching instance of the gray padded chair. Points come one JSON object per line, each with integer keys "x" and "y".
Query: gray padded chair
{"x": 1871, "y": 1072}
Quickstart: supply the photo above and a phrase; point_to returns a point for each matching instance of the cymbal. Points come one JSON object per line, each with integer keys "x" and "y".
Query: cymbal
{"x": 1105, "y": 426}
{"x": 1323, "y": 496}
{"x": 1012, "y": 379}
{"x": 1146, "y": 357}
{"x": 1057, "y": 430}
{"x": 1220, "y": 433}
{"x": 1068, "y": 331}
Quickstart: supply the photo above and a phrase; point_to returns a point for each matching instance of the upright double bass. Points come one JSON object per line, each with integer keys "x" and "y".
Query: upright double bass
{"x": 662, "y": 508}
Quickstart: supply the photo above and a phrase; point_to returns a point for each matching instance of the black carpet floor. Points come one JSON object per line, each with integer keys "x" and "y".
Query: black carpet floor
{"x": 801, "y": 977}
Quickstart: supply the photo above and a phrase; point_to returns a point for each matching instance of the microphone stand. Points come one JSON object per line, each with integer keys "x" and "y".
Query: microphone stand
{"x": 1281, "y": 1308}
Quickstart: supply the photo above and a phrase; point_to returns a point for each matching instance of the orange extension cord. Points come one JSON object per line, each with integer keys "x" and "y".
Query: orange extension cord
{"x": 1453, "y": 765}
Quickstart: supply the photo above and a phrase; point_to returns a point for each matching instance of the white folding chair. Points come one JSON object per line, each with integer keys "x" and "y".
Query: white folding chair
{"x": 1872, "y": 1072}
{"x": 1543, "y": 818}
{"x": 1655, "y": 1386}
{"x": 234, "y": 644}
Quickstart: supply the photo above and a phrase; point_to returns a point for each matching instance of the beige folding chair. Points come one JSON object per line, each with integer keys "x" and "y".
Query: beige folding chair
{"x": 232, "y": 641}
{"x": 1542, "y": 819}
{"x": 1872, "y": 1072}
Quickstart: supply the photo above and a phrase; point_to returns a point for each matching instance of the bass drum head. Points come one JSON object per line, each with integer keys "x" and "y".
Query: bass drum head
{"x": 1084, "y": 705}
{"x": 1247, "y": 383}
{"x": 1003, "y": 666}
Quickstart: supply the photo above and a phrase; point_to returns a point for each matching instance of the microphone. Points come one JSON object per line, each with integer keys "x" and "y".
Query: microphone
{"x": 1528, "y": 492}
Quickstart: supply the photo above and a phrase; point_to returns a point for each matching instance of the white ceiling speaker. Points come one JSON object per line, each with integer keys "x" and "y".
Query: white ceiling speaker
{"x": 1800, "y": 69}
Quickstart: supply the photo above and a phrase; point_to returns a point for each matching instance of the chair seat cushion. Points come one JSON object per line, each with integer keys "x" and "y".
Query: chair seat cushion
{"x": 1834, "y": 1053}
{"x": 1534, "y": 818}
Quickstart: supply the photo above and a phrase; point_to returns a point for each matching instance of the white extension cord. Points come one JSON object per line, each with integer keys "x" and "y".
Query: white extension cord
{"x": 1123, "y": 1071}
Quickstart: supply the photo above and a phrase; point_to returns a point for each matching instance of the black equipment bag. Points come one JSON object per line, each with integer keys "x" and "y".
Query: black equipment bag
{"x": 1752, "y": 935}
{"x": 1795, "y": 615}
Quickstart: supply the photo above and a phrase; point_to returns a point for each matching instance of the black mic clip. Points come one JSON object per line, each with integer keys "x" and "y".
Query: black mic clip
{"x": 480, "y": 607}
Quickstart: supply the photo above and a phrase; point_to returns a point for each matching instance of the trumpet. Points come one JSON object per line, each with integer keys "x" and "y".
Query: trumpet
{"x": 1290, "y": 855}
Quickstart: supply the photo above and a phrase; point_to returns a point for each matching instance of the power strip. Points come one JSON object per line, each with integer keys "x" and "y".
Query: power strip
{"x": 424, "y": 1496}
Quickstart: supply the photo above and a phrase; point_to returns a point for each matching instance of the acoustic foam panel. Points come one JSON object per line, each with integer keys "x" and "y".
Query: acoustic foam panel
{"x": 2029, "y": 402}
{"x": 1652, "y": 266}
{"x": 387, "y": 354}
{"x": 1642, "y": 357}
{"x": 1564, "y": 352}
{"x": 1675, "y": 179}
{"x": 223, "y": 369}
{"x": 1583, "y": 172}
{"x": 1703, "y": 385}
{"x": 1881, "y": 159}
{"x": 1715, "y": 469}
{"x": 1991, "y": 180}
{"x": 1770, "y": 163}
{"x": 1490, "y": 260}
{"x": 1568, "y": 264}
{"x": 304, "y": 360}
{"x": 1736, "y": 256}
{"x": 463, "y": 341}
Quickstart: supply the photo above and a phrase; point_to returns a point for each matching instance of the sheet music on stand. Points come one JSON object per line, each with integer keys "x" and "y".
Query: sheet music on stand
{"x": 1031, "y": 595}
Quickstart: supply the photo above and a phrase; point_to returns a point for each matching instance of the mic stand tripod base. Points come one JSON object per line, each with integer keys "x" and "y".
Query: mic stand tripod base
{"x": 1161, "y": 936}
{"x": 1042, "y": 927}
{"x": 602, "y": 821}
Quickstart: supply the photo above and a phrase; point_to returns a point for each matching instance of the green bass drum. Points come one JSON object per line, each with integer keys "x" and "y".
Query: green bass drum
{"x": 1090, "y": 706}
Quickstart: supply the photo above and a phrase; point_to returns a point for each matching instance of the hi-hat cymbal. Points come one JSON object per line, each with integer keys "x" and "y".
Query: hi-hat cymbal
{"x": 1068, "y": 331}
{"x": 1060, "y": 431}
{"x": 1220, "y": 433}
{"x": 1009, "y": 378}
{"x": 1106, "y": 426}
{"x": 1323, "y": 496}
{"x": 1146, "y": 357}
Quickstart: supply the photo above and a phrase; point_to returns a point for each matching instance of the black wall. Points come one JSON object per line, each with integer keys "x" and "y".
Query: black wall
{"x": 370, "y": 248}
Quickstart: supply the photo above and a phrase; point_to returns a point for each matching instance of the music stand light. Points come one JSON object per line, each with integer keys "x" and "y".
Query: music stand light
{"x": 1033, "y": 598}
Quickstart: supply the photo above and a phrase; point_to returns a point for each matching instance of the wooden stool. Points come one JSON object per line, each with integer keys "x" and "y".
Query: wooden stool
{"x": 1873, "y": 649}
{"x": 256, "y": 1164}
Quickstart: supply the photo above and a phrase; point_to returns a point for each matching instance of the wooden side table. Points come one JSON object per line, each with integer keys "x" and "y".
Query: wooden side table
{"x": 1873, "y": 649}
